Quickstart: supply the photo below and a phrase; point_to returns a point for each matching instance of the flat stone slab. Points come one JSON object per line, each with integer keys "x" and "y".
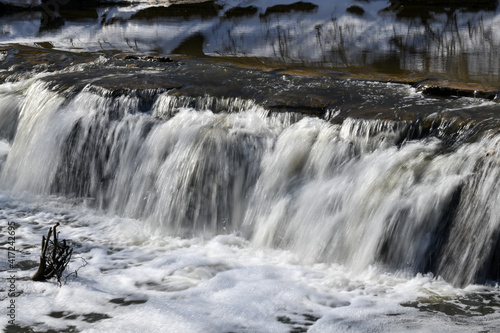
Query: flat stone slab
{"x": 459, "y": 89}
{"x": 276, "y": 87}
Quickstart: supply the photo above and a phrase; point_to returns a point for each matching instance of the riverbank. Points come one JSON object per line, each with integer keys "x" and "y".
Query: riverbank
{"x": 373, "y": 40}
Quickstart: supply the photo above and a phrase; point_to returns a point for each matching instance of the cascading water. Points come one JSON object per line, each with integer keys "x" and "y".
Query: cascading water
{"x": 251, "y": 166}
{"x": 357, "y": 193}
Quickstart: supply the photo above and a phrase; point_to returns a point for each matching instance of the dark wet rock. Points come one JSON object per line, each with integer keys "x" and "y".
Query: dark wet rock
{"x": 57, "y": 314}
{"x": 45, "y": 45}
{"x": 304, "y": 109}
{"x": 204, "y": 9}
{"x": 356, "y": 10}
{"x": 68, "y": 315}
{"x": 298, "y": 322}
{"x": 473, "y": 305}
{"x": 299, "y": 90}
{"x": 119, "y": 78}
{"x": 126, "y": 302}
{"x": 423, "y": 8}
{"x": 7, "y": 9}
{"x": 94, "y": 317}
{"x": 132, "y": 57}
{"x": 74, "y": 4}
{"x": 294, "y": 7}
{"x": 191, "y": 46}
{"x": 51, "y": 23}
{"x": 454, "y": 3}
{"x": 299, "y": 101}
{"x": 50, "y": 6}
{"x": 457, "y": 89}
{"x": 17, "y": 60}
{"x": 240, "y": 12}
{"x": 15, "y": 328}
{"x": 55, "y": 13}
{"x": 134, "y": 83}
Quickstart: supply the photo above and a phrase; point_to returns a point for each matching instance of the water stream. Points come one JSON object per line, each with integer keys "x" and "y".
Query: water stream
{"x": 201, "y": 195}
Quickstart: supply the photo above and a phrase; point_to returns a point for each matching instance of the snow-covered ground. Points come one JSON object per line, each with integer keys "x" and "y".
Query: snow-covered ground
{"x": 321, "y": 32}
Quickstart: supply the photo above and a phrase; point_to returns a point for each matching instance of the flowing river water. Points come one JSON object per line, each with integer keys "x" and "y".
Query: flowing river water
{"x": 237, "y": 190}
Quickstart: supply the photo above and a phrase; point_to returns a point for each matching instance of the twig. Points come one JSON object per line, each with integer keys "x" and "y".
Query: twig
{"x": 53, "y": 265}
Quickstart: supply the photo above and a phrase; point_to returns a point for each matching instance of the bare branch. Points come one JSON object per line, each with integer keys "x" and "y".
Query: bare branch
{"x": 53, "y": 265}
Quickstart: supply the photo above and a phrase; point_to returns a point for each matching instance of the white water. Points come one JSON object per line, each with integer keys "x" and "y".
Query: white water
{"x": 221, "y": 284}
{"x": 198, "y": 221}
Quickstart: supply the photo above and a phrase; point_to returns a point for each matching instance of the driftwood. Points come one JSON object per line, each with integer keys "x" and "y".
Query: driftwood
{"x": 54, "y": 257}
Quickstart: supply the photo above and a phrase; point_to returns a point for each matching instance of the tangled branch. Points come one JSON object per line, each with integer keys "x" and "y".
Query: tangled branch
{"x": 75, "y": 272}
{"x": 54, "y": 257}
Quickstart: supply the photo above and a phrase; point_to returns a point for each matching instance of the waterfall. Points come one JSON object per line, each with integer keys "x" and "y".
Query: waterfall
{"x": 358, "y": 193}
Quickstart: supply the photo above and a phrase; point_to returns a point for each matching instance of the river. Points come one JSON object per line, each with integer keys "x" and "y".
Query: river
{"x": 251, "y": 167}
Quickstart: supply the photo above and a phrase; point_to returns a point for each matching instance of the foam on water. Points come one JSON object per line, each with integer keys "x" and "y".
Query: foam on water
{"x": 133, "y": 281}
